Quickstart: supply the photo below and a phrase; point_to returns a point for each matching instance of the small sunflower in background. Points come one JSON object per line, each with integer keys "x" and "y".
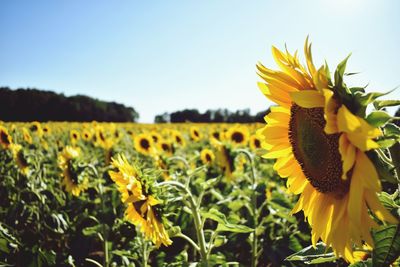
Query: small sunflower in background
{"x": 86, "y": 135}
{"x": 238, "y": 135}
{"x": 156, "y": 137}
{"x": 217, "y": 135}
{"x": 74, "y": 180}
{"x": 165, "y": 147}
{"x": 143, "y": 208}
{"x": 26, "y": 135}
{"x": 5, "y": 138}
{"x": 224, "y": 159}
{"x": 144, "y": 144}
{"x": 319, "y": 138}
{"x": 20, "y": 158}
{"x": 177, "y": 138}
{"x": 46, "y": 130}
{"x": 255, "y": 142}
{"x": 36, "y": 128}
{"x": 74, "y": 136}
{"x": 207, "y": 156}
{"x": 195, "y": 134}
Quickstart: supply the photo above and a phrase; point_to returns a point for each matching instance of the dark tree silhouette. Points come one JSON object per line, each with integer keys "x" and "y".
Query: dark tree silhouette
{"x": 36, "y": 105}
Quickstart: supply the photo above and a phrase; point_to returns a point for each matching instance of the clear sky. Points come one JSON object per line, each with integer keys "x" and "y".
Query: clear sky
{"x": 159, "y": 56}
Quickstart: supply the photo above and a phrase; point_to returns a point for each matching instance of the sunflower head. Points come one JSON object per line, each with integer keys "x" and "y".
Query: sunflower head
{"x": 318, "y": 136}
{"x": 177, "y": 138}
{"x": 5, "y": 138}
{"x": 255, "y": 142}
{"x": 20, "y": 158}
{"x": 143, "y": 208}
{"x": 195, "y": 133}
{"x": 36, "y": 128}
{"x": 238, "y": 135}
{"x": 144, "y": 144}
{"x": 207, "y": 156}
{"x": 74, "y": 178}
{"x": 165, "y": 147}
{"x": 74, "y": 136}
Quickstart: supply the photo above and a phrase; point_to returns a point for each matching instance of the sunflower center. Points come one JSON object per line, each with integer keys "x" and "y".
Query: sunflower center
{"x": 237, "y": 137}
{"x": 257, "y": 143}
{"x": 315, "y": 151}
{"x": 145, "y": 143}
{"x": 208, "y": 157}
{"x": 4, "y": 138}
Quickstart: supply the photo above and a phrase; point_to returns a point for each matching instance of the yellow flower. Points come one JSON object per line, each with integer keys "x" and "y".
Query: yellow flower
{"x": 74, "y": 136}
{"x": 255, "y": 142}
{"x": 207, "y": 156}
{"x": 144, "y": 144}
{"x": 36, "y": 128}
{"x": 177, "y": 138}
{"x": 27, "y": 136}
{"x": 86, "y": 135}
{"x": 5, "y": 138}
{"x": 195, "y": 134}
{"x": 238, "y": 135}
{"x": 223, "y": 159}
{"x": 143, "y": 209}
{"x": 71, "y": 179}
{"x": 20, "y": 159}
{"x": 320, "y": 148}
{"x": 165, "y": 147}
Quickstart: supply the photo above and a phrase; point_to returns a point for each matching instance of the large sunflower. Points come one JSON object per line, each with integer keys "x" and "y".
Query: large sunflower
{"x": 143, "y": 209}
{"x": 320, "y": 145}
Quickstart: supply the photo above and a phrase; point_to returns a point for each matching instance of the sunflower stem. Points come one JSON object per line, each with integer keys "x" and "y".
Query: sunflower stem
{"x": 395, "y": 156}
{"x": 254, "y": 206}
{"x": 195, "y": 208}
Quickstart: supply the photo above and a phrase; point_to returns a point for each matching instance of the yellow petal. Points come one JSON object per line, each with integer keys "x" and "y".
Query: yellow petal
{"x": 347, "y": 121}
{"x": 308, "y": 98}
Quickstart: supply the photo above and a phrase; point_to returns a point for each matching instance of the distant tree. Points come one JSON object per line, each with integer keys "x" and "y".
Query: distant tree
{"x": 36, "y": 105}
{"x": 219, "y": 115}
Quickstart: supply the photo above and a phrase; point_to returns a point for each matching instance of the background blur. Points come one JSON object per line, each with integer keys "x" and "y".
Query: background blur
{"x": 165, "y": 56}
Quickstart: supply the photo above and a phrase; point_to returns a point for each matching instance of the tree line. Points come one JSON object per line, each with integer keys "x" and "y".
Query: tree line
{"x": 37, "y": 105}
{"x": 218, "y": 115}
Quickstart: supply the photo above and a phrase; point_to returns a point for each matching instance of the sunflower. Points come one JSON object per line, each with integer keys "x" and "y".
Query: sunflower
{"x": 143, "y": 209}
{"x": 144, "y": 144}
{"x": 255, "y": 142}
{"x": 156, "y": 137}
{"x": 224, "y": 159}
{"x": 74, "y": 136}
{"x": 86, "y": 135}
{"x": 216, "y": 135}
{"x": 195, "y": 134}
{"x": 238, "y": 135}
{"x": 165, "y": 147}
{"x": 20, "y": 159}
{"x": 178, "y": 138}
{"x": 207, "y": 156}
{"x": 36, "y": 127}
{"x": 73, "y": 181}
{"x": 46, "y": 130}
{"x": 27, "y": 136}
{"x": 5, "y": 138}
{"x": 320, "y": 145}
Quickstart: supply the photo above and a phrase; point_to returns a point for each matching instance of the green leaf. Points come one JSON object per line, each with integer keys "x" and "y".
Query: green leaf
{"x": 223, "y": 224}
{"x": 309, "y": 255}
{"x": 378, "y": 118}
{"x": 387, "y": 245}
{"x": 220, "y": 240}
{"x": 386, "y": 103}
{"x": 92, "y": 230}
{"x": 365, "y": 99}
{"x": 392, "y": 129}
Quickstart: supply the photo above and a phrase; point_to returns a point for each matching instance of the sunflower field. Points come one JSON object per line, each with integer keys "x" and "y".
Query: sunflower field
{"x": 317, "y": 184}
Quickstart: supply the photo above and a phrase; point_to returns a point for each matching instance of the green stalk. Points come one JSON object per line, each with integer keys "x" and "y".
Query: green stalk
{"x": 196, "y": 217}
{"x": 254, "y": 249}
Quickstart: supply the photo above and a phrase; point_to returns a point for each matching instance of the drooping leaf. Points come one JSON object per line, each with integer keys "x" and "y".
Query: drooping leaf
{"x": 309, "y": 255}
{"x": 223, "y": 224}
{"x": 387, "y": 245}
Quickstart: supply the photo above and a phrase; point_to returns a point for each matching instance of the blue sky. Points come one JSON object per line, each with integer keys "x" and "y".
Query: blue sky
{"x": 159, "y": 56}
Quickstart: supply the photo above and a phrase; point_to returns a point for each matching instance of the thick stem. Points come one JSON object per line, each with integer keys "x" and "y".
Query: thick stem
{"x": 196, "y": 218}
{"x": 254, "y": 250}
{"x": 144, "y": 259}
